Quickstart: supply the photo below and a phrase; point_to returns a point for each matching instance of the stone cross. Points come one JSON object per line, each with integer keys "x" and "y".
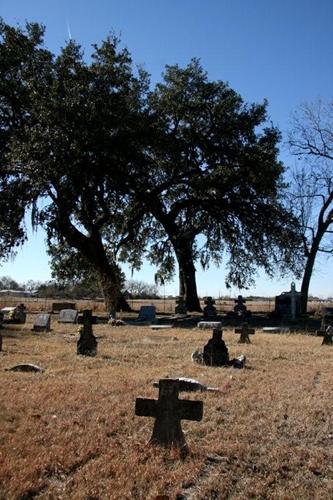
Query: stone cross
{"x": 210, "y": 309}
{"x": 328, "y": 336}
{"x": 168, "y": 411}
{"x": 87, "y": 343}
{"x": 245, "y": 331}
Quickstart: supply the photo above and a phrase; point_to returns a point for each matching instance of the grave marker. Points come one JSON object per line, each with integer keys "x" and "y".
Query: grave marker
{"x": 181, "y": 306}
{"x": 209, "y": 324}
{"x": 215, "y": 352}
{"x": 87, "y": 343}
{"x": 328, "y": 336}
{"x": 168, "y": 412}
{"x": 245, "y": 331}
{"x": 68, "y": 316}
{"x": 210, "y": 309}
{"x": 147, "y": 313}
{"x": 42, "y": 323}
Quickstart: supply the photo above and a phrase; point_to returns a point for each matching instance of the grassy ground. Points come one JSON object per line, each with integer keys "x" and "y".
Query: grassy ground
{"x": 71, "y": 432}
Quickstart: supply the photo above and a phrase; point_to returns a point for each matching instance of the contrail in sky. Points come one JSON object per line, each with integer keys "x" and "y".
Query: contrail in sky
{"x": 69, "y": 30}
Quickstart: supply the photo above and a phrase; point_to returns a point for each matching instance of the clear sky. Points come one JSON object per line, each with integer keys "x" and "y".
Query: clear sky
{"x": 281, "y": 50}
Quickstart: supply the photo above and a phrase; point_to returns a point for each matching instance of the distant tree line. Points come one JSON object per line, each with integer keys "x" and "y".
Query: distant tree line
{"x": 182, "y": 174}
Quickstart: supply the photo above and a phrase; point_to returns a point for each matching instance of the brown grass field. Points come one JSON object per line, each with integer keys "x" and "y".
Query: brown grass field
{"x": 71, "y": 432}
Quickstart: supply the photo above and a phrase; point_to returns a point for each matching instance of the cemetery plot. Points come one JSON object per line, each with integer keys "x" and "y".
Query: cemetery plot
{"x": 244, "y": 332}
{"x": 266, "y": 433}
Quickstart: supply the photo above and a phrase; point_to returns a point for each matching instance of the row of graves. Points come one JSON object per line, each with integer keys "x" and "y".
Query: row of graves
{"x": 168, "y": 410}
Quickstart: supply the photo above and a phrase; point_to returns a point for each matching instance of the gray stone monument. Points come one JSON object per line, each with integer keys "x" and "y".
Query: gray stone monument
{"x": 68, "y": 316}
{"x": 168, "y": 412}
{"x": 42, "y": 323}
{"x": 87, "y": 343}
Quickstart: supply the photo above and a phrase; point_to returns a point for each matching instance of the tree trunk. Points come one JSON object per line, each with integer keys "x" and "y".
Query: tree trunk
{"x": 187, "y": 275}
{"x": 306, "y": 279}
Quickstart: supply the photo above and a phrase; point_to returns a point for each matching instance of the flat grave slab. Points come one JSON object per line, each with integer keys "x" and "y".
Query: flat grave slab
{"x": 209, "y": 324}
{"x": 160, "y": 327}
{"x": 275, "y": 329}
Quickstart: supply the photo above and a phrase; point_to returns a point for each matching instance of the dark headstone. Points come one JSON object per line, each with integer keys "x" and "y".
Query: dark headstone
{"x": 215, "y": 352}
{"x": 58, "y": 306}
{"x": 42, "y": 323}
{"x": 68, "y": 316}
{"x": 0, "y": 343}
{"x": 210, "y": 309}
{"x": 181, "y": 306}
{"x": 147, "y": 313}
{"x": 328, "y": 336}
{"x": 87, "y": 343}
{"x": 168, "y": 412}
{"x": 288, "y": 304}
{"x": 245, "y": 331}
{"x": 240, "y": 310}
{"x": 25, "y": 367}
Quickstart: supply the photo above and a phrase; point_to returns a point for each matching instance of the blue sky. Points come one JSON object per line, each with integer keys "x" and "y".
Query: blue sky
{"x": 281, "y": 50}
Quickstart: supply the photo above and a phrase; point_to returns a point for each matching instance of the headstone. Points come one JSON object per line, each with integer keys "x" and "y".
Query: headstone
{"x": 0, "y": 343}
{"x": 210, "y": 309}
{"x": 209, "y": 324}
{"x": 15, "y": 314}
{"x": 215, "y": 352}
{"x": 68, "y": 316}
{"x": 87, "y": 343}
{"x": 147, "y": 313}
{"x": 288, "y": 304}
{"x": 326, "y": 320}
{"x": 245, "y": 331}
{"x": 160, "y": 327}
{"x": 328, "y": 336}
{"x": 181, "y": 306}
{"x": 42, "y": 323}
{"x": 58, "y": 306}
{"x": 168, "y": 412}
{"x": 240, "y": 310}
{"x": 25, "y": 367}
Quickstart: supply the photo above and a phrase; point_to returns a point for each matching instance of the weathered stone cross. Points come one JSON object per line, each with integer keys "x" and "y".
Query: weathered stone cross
{"x": 245, "y": 331}
{"x": 168, "y": 411}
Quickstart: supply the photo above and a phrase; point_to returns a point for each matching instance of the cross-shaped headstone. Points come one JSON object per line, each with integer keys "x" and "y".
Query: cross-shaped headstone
{"x": 245, "y": 331}
{"x": 328, "y": 336}
{"x": 87, "y": 343}
{"x": 168, "y": 411}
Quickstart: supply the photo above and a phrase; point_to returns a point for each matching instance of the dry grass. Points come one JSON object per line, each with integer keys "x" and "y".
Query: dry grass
{"x": 71, "y": 432}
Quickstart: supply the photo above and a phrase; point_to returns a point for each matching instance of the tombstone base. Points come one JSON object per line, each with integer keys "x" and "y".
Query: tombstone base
{"x": 87, "y": 345}
{"x": 244, "y": 339}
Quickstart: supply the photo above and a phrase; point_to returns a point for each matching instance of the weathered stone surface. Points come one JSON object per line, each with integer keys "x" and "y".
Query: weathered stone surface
{"x": 68, "y": 316}
{"x": 42, "y": 323}
{"x": 58, "y": 306}
{"x": 160, "y": 327}
{"x": 168, "y": 412}
{"x": 15, "y": 314}
{"x": 215, "y": 352}
{"x": 87, "y": 343}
